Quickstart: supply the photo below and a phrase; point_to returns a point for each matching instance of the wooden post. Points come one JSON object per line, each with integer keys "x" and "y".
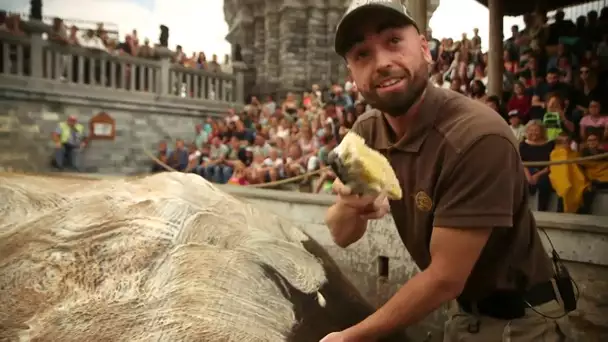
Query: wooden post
{"x": 495, "y": 52}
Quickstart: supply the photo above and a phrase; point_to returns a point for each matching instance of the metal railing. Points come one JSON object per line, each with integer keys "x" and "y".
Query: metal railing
{"x": 31, "y": 57}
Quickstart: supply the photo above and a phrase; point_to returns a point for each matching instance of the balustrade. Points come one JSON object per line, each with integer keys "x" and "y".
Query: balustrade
{"x": 31, "y": 57}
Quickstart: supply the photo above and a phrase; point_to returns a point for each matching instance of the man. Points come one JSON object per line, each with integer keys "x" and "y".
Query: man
{"x": 178, "y": 158}
{"x": 70, "y": 140}
{"x": 464, "y": 214}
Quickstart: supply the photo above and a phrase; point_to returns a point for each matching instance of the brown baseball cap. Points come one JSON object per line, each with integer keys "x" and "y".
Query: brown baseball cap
{"x": 357, "y": 10}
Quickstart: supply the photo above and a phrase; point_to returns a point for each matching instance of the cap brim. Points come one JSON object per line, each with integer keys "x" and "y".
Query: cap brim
{"x": 343, "y": 41}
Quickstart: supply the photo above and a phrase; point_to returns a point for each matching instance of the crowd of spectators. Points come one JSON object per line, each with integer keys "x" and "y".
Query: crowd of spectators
{"x": 269, "y": 141}
{"x": 555, "y": 92}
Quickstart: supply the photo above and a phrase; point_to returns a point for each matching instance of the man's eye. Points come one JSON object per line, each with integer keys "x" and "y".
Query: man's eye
{"x": 395, "y": 40}
{"x": 362, "y": 54}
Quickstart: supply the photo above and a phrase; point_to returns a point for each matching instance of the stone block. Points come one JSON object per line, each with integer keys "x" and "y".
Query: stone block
{"x": 50, "y": 116}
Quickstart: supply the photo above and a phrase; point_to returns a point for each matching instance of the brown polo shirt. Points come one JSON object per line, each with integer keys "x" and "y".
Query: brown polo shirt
{"x": 459, "y": 167}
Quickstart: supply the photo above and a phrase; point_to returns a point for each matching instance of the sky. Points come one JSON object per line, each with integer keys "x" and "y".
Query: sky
{"x": 198, "y": 25}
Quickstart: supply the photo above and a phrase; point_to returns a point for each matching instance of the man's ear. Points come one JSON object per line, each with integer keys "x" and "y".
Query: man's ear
{"x": 424, "y": 45}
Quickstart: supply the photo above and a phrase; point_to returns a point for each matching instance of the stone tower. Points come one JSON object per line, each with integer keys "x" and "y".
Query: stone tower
{"x": 287, "y": 44}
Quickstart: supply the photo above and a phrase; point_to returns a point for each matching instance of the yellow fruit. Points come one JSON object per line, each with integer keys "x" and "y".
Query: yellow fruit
{"x": 364, "y": 169}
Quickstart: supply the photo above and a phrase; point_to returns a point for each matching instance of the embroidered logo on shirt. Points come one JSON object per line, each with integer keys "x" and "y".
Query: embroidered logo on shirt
{"x": 423, "y": 201}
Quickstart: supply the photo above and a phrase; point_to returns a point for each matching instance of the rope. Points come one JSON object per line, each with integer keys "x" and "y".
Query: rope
{"x": 313, "y": 173}
{"x": 262, "y": 185}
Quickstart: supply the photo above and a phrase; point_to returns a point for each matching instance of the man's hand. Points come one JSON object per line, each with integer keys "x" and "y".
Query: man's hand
{"x": 339, "y": 337}
{"x": 347, "y": 218}
{"x": 369, "y": 207}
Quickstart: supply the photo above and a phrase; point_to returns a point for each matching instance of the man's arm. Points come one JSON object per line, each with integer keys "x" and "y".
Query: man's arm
{"x": 475, "y": 196}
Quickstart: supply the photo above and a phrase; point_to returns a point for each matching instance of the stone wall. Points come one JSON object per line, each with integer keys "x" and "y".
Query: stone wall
{"x": 27, "y": 122}
{"x": 582, "y": 241}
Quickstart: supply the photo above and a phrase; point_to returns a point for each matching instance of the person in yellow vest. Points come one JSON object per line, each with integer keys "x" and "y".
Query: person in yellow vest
{"x": 70, "y": 139}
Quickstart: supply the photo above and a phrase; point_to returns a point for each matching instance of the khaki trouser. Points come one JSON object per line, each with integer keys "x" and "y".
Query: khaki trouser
{"x": 530, "y": 328}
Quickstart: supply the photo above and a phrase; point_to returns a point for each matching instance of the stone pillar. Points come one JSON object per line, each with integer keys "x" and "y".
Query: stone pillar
{"x": 163, "y": 85}
{"x": 317, "y": 54}
{"x": 420, "y": 13}
{"x": 292, "y": 47}
{"x": 240, "y": 69}
{"x": 271, "y": 49}
{"x": 36, "y": 28}
{"x": 259, "y": 46}
{"x": 335, "y": 10}
{"x": 495, "y": 62}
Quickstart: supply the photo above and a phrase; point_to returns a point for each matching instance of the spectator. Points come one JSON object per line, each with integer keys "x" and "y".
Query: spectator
{"x": 146, "y": 51}
{"x": 70, "y": 140}
{"x": 179, "y": 157}
{"x": 162, "y": 154}
{"x": 594, "y": 122}
{"x": 59, "y": 33}
{"x": 274, "y": 166}
{"x": 520, "y": 102}
{"x": 537, "y": 148}
{"x": 90, "y": 41}
{"x": 567, "y": 180}
{"x": 596, "y": 171}
{"x": 13, "y": 25}
{"x": 214, "y": 65}
{"x": 516, "y": 126}
{"x": 555, "y": 120}
{"x": 194, "y": 157}
{"x": 214, "y": 169}
{"x": 73, "y": 37}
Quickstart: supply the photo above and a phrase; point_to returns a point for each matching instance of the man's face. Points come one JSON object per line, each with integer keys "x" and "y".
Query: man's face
{"x": 389, "y": 64}
{"x": 259, "y": 140}
{"x": 179, "y": 144}
{"x": 594, "y": 108}
{"x": 552, "y": 78}
{"x": 514, "y": 120}
{"x": 584, "y": 73}
{"x": 593, "y": 141}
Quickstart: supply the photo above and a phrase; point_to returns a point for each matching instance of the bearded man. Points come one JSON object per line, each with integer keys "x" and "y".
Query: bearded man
{"x": 464, "y": 215}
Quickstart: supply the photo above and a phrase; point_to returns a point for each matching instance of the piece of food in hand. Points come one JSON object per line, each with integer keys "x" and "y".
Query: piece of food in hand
{"x": 363, "y": 169}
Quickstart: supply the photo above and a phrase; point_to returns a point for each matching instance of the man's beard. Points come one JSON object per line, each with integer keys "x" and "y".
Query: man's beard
{"x": 398, "y": 103}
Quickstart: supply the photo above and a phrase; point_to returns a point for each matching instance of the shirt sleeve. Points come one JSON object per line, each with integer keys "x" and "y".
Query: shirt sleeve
{"x": 481, "y": 189}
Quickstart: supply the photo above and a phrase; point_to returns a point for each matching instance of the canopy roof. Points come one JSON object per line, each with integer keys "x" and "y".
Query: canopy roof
{"x": 519, "y": 7}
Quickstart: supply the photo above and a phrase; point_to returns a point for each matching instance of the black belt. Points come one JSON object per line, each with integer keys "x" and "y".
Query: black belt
{"x": 510, "y": 305}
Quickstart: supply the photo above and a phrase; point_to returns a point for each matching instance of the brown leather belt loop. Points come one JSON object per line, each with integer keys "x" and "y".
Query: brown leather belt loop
{"x": 474, "y": 326}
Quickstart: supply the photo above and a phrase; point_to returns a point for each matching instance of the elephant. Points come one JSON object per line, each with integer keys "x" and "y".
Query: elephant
{"x": 164, "y": 257}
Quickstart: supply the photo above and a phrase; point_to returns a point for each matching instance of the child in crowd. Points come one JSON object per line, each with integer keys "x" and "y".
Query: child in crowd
{"x": 255, "y": 171}
{"x": 517, "y": 128}
{"x": 239, "y": 176}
